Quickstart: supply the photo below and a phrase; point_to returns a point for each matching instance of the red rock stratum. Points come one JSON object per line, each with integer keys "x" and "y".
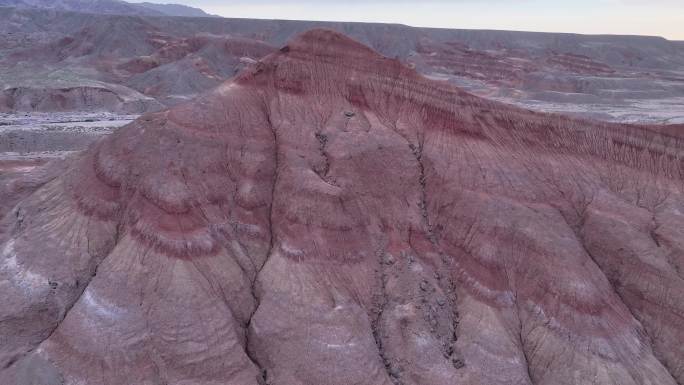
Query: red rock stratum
{"x": 331, "y": 217}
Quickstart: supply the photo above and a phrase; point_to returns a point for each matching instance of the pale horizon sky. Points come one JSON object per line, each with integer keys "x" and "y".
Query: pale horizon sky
{"x": 630, "y": 17}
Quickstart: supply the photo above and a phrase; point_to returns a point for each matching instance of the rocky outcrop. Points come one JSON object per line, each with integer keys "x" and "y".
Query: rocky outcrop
{"x": 331, "y": 217}
{"x": 77, "y": 98}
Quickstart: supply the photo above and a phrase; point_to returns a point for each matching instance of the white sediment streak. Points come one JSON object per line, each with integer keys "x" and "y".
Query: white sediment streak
{"x": 99, "y": 306}
{"x": 18, "y": 274}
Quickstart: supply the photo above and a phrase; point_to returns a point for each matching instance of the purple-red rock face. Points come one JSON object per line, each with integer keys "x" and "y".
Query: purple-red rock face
{"x": 331, "y": 217}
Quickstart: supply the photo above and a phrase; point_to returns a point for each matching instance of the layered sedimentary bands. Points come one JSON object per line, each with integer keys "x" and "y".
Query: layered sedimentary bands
{"x": 331, "y": 217}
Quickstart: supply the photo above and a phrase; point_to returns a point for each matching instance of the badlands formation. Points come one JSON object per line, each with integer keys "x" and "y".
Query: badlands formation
{"x": 53, "y": 60}
{"x": 331, "y": 217}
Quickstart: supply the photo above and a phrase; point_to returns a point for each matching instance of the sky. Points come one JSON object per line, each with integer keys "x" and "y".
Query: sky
{"x": 633, "y": 17}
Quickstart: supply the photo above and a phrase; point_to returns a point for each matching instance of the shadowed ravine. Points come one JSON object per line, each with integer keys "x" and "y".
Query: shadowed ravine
{"x": 331, "y": 217}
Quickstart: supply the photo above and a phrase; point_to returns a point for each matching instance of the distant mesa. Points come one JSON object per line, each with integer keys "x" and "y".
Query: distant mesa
{"x": 108, "y": 7}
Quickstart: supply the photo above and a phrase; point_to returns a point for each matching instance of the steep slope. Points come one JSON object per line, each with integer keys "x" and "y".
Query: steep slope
{"x": 331, "y": 217}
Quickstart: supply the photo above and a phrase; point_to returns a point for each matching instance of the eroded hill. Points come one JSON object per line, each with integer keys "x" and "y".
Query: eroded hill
{"x": 332, "y": 217}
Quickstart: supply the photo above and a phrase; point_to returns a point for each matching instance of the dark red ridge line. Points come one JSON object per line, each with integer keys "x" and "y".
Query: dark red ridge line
{"x": 521, "y": 341}
{"x": 377, "y": 319}
{"x": 445, "y": 259}
{"x": 417, "y": 152}
{"x": 257, "y": 299}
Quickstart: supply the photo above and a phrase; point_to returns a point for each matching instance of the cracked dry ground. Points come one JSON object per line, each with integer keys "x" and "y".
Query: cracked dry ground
{"x": 329, "y": 217}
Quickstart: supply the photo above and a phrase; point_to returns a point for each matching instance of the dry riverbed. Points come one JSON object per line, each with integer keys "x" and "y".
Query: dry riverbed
{"x": 28, "y": 140}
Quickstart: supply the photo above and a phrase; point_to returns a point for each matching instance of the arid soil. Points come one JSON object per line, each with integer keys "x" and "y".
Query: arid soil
{"x": 332, "y": 217}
